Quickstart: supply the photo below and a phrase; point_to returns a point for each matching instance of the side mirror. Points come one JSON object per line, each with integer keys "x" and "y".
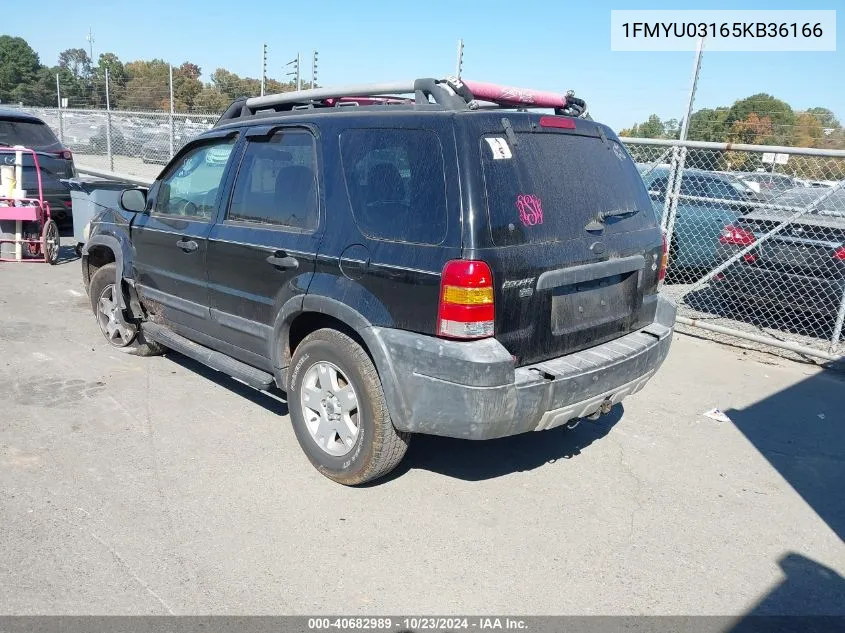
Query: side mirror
{"x": 134, "y": 200}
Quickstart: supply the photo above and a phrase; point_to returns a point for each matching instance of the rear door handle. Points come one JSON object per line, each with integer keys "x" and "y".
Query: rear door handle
{"x": 188, "y": 246}
{"x": 282, "y": 261}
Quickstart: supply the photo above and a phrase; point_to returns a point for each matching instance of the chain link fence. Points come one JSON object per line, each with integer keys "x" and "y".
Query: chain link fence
{"x": 125, "y": 142}
{"x": 756, "y": 240}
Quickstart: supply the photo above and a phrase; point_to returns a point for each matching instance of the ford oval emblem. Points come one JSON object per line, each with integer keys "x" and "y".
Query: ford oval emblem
{"x": 597, "y": 248}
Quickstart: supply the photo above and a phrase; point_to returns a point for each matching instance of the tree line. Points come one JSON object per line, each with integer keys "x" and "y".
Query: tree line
{"x": 760, "y": 119}
{"x": 135, "y": 85}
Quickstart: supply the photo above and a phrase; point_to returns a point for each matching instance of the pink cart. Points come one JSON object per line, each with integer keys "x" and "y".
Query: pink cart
{"x": 36, "y": 233}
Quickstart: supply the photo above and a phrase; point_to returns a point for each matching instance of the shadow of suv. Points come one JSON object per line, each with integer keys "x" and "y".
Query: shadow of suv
{"x": 430, "y": 264}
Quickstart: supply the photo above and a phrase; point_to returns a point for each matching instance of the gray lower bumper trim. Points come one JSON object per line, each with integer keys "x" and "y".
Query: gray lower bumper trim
{"x": 588, "y": 407}
{"x": 472, "y": 390}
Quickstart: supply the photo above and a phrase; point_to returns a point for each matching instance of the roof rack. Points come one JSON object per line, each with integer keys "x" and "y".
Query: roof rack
{"x": 450, "y": 94}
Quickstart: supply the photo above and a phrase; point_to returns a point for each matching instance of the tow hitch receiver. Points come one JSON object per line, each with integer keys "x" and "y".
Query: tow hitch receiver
{"x": 603, "y": 409}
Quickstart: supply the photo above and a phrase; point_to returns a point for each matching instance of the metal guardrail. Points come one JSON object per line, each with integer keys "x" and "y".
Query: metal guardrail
{"x": 114, "y": 175}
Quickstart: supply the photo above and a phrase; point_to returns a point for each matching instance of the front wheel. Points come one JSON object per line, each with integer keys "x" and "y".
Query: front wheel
{"x": 338, "y": 410}
{"x": 104, "y": 301}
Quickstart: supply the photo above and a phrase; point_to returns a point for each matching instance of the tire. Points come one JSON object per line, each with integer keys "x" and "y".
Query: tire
{"x": 130, "y": 340}
{"x": 377, "y": 447}
{"x": 50, "y": 242}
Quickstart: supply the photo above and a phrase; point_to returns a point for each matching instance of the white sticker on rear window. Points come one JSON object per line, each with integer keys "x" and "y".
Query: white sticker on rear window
{"x": 620, "y": 153}
{"x": 499, "y": 147}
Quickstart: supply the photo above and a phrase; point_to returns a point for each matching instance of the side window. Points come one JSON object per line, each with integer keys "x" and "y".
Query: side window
{"x": 396, "y": 184}
{"x": 191, "y": 186}
{"x": 277, "y": 182}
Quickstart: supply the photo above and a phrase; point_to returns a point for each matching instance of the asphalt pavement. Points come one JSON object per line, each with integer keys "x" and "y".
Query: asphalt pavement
{"x": 153, "y": 485}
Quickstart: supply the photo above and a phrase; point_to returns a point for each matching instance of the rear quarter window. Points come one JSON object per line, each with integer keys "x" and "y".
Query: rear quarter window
{"x": 396, "y": 184}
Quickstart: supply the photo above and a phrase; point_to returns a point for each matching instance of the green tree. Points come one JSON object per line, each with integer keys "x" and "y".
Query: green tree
{"x": 708, "y": 124}
{"x": 633, "y": 131}
{"x": 227, "y": 83}
{"x": 212, "y": 100}
{"x": 186, "y": 85}
{"x": 117, "y": 77}
{"x": 19, "y": 67}
{"x": 825, "y": 117}
{"x": 653, "y": 128}
{"x": 779, "y": 113}
{"x": 76, "y": 60}
{"x": 808, "y": 130}
{"x": 117, "y": 71}
{"x": 148, "y": 87}
{"x": 672, "y": 129}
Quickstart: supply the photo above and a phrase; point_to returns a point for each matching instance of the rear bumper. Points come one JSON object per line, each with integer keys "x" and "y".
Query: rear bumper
{"x": 472, "y": 390}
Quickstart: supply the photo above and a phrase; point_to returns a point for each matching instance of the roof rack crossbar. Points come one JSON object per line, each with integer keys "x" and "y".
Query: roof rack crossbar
{"x": 450, "y": 93}
{"x": 353, "y": 90}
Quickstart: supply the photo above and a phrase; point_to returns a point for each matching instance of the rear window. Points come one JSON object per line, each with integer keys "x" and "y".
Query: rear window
{"x": 27, "y": 133}
{"x": 550, "y": 185}
{"x": 396, "y": 184}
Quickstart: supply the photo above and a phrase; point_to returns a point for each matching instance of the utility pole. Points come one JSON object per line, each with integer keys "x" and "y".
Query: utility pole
{"x": 109, "y": 152}
{"x": 263, "y": 68}
{"x": 59, "y": 103}
{"x": 172, "y": 131}
{"x": 696, "y": 70}
{"x": 460, "y": 63}
{"x": 295, "y": 72}
{"x": 314, "y": 69}
{"x": 90, "y": 39}
{"x": 679, "y": 156}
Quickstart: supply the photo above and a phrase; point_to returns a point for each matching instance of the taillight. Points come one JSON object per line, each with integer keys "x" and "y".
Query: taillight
{"x": 736, "y": 236}
{"x": 65, "y": 153}
{"x": 664, "y": 260}
{"x": 466, "y": 300}
{"x": 839, "y": 254}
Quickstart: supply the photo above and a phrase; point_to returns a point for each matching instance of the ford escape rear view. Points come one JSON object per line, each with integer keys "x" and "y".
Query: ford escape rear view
{"x": 443, "y": 257}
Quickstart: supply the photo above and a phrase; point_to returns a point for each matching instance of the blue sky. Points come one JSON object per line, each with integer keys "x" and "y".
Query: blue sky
{"x": 542, "y": 44}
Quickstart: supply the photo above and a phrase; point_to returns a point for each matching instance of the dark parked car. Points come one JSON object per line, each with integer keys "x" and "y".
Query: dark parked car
{"x": 156, "y": 150}
{"x": 767, "y": 185}
{"x": 800, "y": 269}
{"x": 708, "y": 201}
{"x": 54, "y": 159}
{"x": 419, "y": 267}
{"x": 119, "y": 144}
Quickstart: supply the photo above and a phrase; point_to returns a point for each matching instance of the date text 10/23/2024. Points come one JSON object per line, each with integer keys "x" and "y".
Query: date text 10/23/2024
{"x": 400, "y": 624}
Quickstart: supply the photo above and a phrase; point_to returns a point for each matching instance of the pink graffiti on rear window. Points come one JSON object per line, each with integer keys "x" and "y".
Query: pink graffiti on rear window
{"x": 530, "y": 209}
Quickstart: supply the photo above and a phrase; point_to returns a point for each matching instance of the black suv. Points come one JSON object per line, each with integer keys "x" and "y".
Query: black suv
{"x": 431, "y": 264}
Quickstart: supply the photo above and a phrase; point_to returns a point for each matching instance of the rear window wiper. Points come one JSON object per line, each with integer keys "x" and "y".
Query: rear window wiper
{"x": 617, "y": 214}
{"x": 506, "y": 124}
{"x": 598, "y": 223}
